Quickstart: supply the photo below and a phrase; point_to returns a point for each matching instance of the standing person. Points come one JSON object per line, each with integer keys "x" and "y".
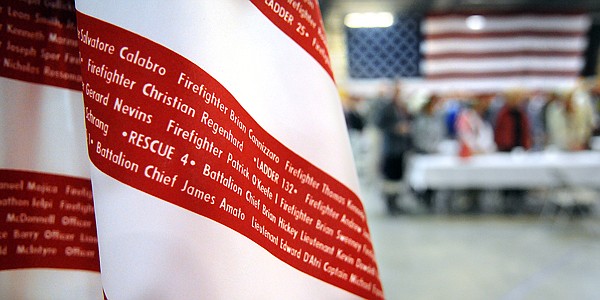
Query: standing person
{"x": 513, "y": 131}
{"x": 594, "y": 95}
{"x": 512, "y": 128}
{"x": 429, "y": 126}
{"x": 475, "y": 136}
{"x": 355, "y": 123}
{"x": 394, "y": 122}
{"x": 428, "y": 131}
{"x": 354, "y": 120}
{"x": 570, "y": 123}
{"x": 372, "y": 134}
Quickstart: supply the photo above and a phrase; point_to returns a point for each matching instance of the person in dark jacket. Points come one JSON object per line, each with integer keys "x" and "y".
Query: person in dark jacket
{"x": 513, "y": 128}
{"x": 512, "y": 131}
{"x": 394, "y": 122}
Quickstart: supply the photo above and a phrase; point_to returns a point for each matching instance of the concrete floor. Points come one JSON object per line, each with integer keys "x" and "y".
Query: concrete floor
{"x": 488, "y": 256}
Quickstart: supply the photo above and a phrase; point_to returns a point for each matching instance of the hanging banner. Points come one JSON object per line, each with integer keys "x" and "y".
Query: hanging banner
{"x": 48, "y": 241}
{"x": 221, "y": 162}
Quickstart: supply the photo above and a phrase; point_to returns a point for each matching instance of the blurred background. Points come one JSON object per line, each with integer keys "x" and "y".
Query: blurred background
{"x": 475, "y": 129}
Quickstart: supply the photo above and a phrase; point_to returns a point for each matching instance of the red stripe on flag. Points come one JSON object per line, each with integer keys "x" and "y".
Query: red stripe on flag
{"x": 502, "y": 34}
{"x": 487, "y": 74}
{"x": 506, "y": 54}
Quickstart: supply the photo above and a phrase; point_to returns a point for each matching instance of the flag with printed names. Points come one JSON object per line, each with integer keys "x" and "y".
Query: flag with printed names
{"x": 502, "y": 51}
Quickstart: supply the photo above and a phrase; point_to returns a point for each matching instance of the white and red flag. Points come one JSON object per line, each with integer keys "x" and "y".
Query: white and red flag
{"x": 226, "y": 171}
{"x": 48, "y": 242}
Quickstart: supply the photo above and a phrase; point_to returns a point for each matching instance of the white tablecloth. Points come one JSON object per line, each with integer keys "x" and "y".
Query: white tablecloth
{"x": 505, "y": 170}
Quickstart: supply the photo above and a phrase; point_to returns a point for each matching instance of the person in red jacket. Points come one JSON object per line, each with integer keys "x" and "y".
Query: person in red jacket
{"x": 513, "y": 128}
{"x": 513, "y": 131}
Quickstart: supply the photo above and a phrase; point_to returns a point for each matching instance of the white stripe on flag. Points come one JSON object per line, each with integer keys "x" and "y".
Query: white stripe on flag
{"x": 456, "y": 23}
{"x": 435, "y": 46}
{"x": 495, "y": 84}
{"x": 501, "y": 64}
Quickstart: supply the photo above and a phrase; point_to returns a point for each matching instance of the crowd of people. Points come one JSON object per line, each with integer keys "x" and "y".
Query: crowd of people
{"x": 513, "y": 120}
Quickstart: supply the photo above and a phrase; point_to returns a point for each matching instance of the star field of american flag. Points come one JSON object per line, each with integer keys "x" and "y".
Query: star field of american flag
{"x": 385, "y": 52}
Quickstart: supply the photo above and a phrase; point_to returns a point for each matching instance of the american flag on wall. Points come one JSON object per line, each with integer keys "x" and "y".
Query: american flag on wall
{"x": 501, "y": 51}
